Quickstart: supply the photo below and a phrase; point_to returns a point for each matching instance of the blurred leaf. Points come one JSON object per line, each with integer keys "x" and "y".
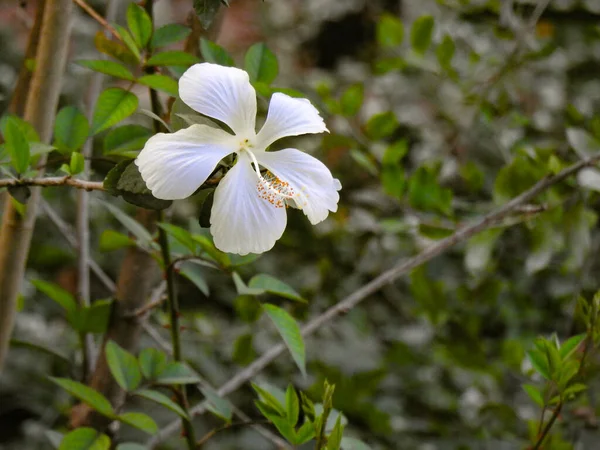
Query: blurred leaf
{"x": 574, "y": 389}
{"x": 193, "y": 273}
{"x": 85, "y": 439}
{"x": 58, "y": 294}
{"x": 112, "y": 68}
{"x": 242, "y": 288}
{"x": 445, "y": 51}
{"x": 479, "y": 250}
{"x": 16, "y": 146}
{"x": 172, "y": 58}
{"x": 132, "y": 225}
{"x": 365, "y": 161}
{"x": 169, "y": 34}
{"x": 261, "y": 64}
{"x": 381, "y": 125}
{"x": 334, "y": 440}
{"x": 214, "y": 53}
{"x": 426, "y": 194}
{"x": 177, "y": 373}
{"x": 111, "y": 240}
{"x": 243, "y": 350}
{"x": 421, "y": 33}
{"x": 123, "y": 366}
{"x": 390, "y": 31}
{"x": 352, "y": 100}
{"x": 181, "y": 235}
{"x": 140, "y": 25}
{"x": 95, "y": 318}
{"x": 131, "y": 446}
{"x": 71, "y": 129}
{"x": 153, "y": 362}
{"x": 247, "y": 308}
{"x": 161, "y": 399}
{"x": 539, "y": 363}
{"x": 113, "y": 105}
{"x": 218, "y": 405}
{"x": 161, "y": 83}
{"x": 209, "y": 248}
{"x": 114, "y": 49}
{"x": 290, "y": 332}
{"x": 77, "y": 163}
{"x": 274, "y": 286}
{"x": 140, "y": 421}
{"x": 126, "y": 138}
{"x": 206, "y": 11}
{"x": 86, "y": 394}
{"x": 305, "y": 433}
{"x": 570, "y": 346}
{"x": 584, "y": 144}
{"x": 349, "y": 443}
{"x": 269, "y": 399}
{"x": 292, "y": 405}
{"x": 534, "y": 394}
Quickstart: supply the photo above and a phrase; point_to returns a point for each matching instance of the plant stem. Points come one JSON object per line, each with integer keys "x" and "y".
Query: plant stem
{"x": 54, "y": 181}
{"x": 547, "y": 428}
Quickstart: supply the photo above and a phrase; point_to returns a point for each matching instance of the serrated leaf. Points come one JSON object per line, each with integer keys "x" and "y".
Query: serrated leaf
{"x": 272, "y": 285}
{"x": 161, "y": 399}
{"x": 161, "y": 83}
{"x": 114, "y": 49}
{"x": 352, "y": 100}
{"x": 152, "y": 362}
{"x": 86, "y": 394}
{"x": 290, "y": 332}
{"x": 172, "y": 58}
{"x": 107, "y": 67}
{"x": 140, "y": 25}
{"x": 85, "y": 439}
{"x": 126, "y": 138}
{"x": 123, "y": 366}
{"x": 261, "y": 64}
{"x": 177, "y": 373}
{"x": 534, "y": 394}
{"x": 140, "y": 421}
{"x": 218, "y": 405}
{"x": 214, "y": 53}
{"x": 421, "y": 33}
{"x": 206, "y": 10}
{"x": 16, "y": 146}
{"x": 71, "y": 129}
{"x": 193, "y": 273}
{"x": 169, "y": 34}
{"x": 390, "y": 31}
{"x": 113, "y": 105}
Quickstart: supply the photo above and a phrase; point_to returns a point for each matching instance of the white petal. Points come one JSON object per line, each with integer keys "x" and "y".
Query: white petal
{"x": 223, "y": 93}
{"x": 241, "y": 221}
{"x": 174, "y": 165}
{"x": 315, "y": 189}
{"x": 289, "y": 116}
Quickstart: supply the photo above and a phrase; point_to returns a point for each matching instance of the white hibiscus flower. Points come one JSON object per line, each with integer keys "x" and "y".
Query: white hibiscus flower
{"x": 249, "y": 209}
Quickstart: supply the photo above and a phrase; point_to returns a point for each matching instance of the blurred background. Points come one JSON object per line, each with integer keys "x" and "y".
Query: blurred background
{"x": 435, "y": 360}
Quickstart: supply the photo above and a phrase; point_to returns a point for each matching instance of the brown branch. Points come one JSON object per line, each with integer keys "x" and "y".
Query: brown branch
{"x": 53, "y": 182}
{"x": 382, "y": 280}
{"x": 98, "y": 18}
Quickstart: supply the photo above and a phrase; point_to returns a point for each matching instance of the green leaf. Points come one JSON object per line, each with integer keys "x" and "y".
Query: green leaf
{"x": 421, "y": 33}
{"x": 107, "y": 67}
{"x": 152, "y": 363}
{"x": 140, "y": 25}
{"x": 140, "y": 421}
{"x": 241, "y": 287}
{"x": 218, "y": 405}
{"x": 206, "y": 10}
{"x": 77, "y": 163}
{"x": 129, "y": 42}
{"x": 85, "y": 439}
{"x": 161, "y": 399}
{"x": 86, "y": 394}
{"x": 425, "y": 192}
{"x": 169, "y": 34}
{"x": 17, "y": 146}
{"x": 290, "y": 332}
{"x": 352, "y": 100}
{"x": 194, "y": 273}
{"x": 270, "y": 400}
{"x": 71, "y": 129}
{"x": 445, "y": 52}
{"x": 574, "y": 389}
{"x": 570, "y": 346}
{"x": 114, "y": 49}
{"x": 161, "y": 83}
{"x": 209, "y": 248}
{"x": 177, "y": 373}
{"x": 334, "y": 440}
{"x": 111, "y": 240}
{"x": 305, "y": 433}
{"x": 539, "y": 363}
{"x": 381, "y": 125}
{"x": 58, "y": 294}
{"x": 94, "y": 319}
{"x": 114, "y": 105}
{"x": 243, "y": 349}
{"x": 25, "y": 127}
{"x": 123, "y": 366}
{"x": 214, "y": 53}
{"x": 534, "y": 394}
{"x": 132, "y": 225}
{"x": 390, "y": 31}
{"x": 272, "y": 285}
{"x": 126, "y": 138}
{"x": 172, "y": 58}
{"x": 181, "y": 235}
{"x": 292, "y": 405}
{"x": 261, "y": 64}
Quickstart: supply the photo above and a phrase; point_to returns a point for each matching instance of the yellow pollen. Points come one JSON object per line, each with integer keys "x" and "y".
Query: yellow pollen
{"x": 274, "y": 190}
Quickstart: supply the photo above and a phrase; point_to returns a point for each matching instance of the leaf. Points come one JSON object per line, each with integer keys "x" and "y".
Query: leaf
{"x": 16, "y": 146}
{"x": 425, "y": 192}
{"x": 243, "y": 349}
{"x": 218, "y": 405}
{"x": 140, "y": 421}
{"x": 390, "y": 31}
{"x": 445, "y": 52}
{"x": 206, "y": 10}
{"x": 177, "y": 373}
{"x": 381, "y": 125}
{"x": 181, "y": 235}
{"x": 161, "y": 83}
{"x": 95, "y": 318}
{"x": 77, "y": 163}
{"x": 214, "y": 53}
{"x": 575, "y": 388}
{"x": 274, "y": 286}
{"x": 111, "y": 240}
{"x": 132, "y": 225}
{"x": 292, "y": 405}
{"x": 570, "y": 346}
{"x": 125, "y": 139}
{"x": 534, "y": 394}
{"x": 114, "y": 105}
{"x": 58, "y": 294}
{"x": 305, "y": 433}
{"x": 114, "y": 49}
{"x": 290, "y": 332}
{"x": 140, "y": 25}
{"x": 152, "y": 362}
{"x": 112, "y": 68}
{"x": 193, "y": 273}
{"x": 20, "y": 193}
{"x": 269, "y": 399}
{"x": 123, "y": 366}
{"x": 161, "y": 399}
{"x": 352, "y": 100}
{"x": 172, "y": 58}
{"x": 86, "y": 394}
{"x": 169, "y": 34}
{"x": 71, "y": 129}
{"x": 334, "y": 440}
{"x": 85, "y": 439}
{"x": 128, "y": 40}
{"x": 421, "y": 33}
{"x": 539, "y": 363}
{"x": 261, "y": 64}
{"x": 241, "y": 287}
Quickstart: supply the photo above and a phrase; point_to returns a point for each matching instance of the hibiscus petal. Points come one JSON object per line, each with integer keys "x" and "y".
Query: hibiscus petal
{"x": 314, "y": 188}
{"x": 174, "y": 165}
{"x": 223, "y": 93}
{"x": 241, "y": 221}
{"x": 289, "y": 116}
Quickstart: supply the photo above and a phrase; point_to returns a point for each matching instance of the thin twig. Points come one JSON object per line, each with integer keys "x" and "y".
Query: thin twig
{"x": 98, "y": 18}
{"x": 227, "y": 426}
{"x": 52, "y": 182}
{"x": 384, "y": 279}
